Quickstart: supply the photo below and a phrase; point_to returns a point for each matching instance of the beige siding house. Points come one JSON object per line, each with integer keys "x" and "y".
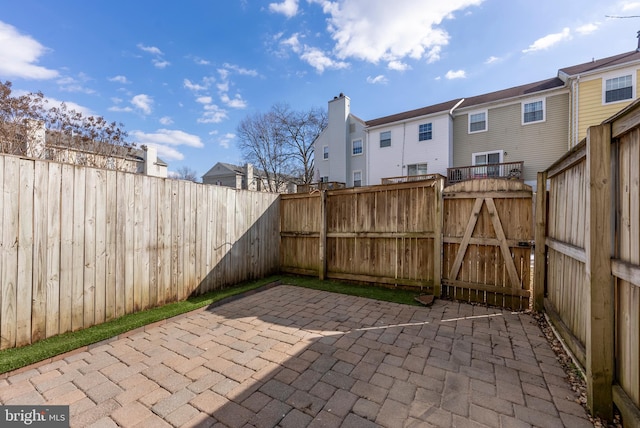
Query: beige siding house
{"x": 527, "y": 123}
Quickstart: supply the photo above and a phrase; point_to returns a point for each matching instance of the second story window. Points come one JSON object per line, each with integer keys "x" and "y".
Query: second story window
{"x": 356, "y": 147}
{"x": 618, "y": 89}
{"x": 385, "y": 139}
{"x": 425, "y": 132}
{"x": 478, "y": 122}
{"x": 533, "y": 112}
{"x": 325, "y": 152}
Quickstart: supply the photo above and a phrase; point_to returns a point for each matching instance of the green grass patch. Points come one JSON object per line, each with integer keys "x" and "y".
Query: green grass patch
{"x": 395, "y": 295}
{"x": 15, "y": 358}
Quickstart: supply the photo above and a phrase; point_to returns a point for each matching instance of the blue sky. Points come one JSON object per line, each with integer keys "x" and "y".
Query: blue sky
{"x": 182, "y": 75}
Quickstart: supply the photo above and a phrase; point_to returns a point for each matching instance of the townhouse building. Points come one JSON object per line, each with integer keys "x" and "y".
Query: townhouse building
{"x": 512, "y": 133}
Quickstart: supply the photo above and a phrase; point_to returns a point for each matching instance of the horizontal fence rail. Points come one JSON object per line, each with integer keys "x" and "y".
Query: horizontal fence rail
{"x": 81, "y": 246}
{"x": 510, "y": 170}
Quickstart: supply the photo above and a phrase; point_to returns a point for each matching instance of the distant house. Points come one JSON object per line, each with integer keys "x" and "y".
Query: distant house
{"x": 245, "y": 177}
{"x": 35, "y": 141}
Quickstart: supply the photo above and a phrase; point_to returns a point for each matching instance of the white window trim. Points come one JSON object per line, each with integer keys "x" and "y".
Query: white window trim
{"x": 473, "y": 156}
{"x": 425, "y": 123}
{"x": 323, "y": 152}
{"x": 353, "y": 177}
{"x": 486, "y": 121}
{"x": 544, "y": 110}
{"x": 361, "y": 144}
{"x": 380, "y": 139}
{"x": 623, "y": 73}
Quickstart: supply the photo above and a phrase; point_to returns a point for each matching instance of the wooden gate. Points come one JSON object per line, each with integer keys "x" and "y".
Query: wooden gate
{"x": 487, "y": 235}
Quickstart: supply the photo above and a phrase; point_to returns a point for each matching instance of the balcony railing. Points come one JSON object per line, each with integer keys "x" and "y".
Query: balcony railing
{"x": 324, "y": 185}
{"x": 406, "y": 178}
{"x": 509, "y": 170}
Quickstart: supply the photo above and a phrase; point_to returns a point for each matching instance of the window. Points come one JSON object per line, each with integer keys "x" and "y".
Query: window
{"x": 356, "y": 147}
{"x": 533, "y": 111}
{"x": 618, "y": 89}
{"x": 385, "y": 139}
{"x": 424, "y": 132}
{"x": 357, "y": 178}
{"x": 478, "y": 121}
{"x": 325, "y": 152}
{"x": 484, "y": 160}
{"x": 417, "y": 169}
{"x": 324, "y": 179}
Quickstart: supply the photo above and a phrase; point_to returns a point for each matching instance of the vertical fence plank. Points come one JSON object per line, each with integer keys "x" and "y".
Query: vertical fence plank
{"x": 100, "y": 294}
{"x": 54, "y": 242}
{"x": 24, "y": 283}
{"x": 89, "y": 276}
{"x": 111, "y": 278}
{"x": 78, "y": 244}
{"x": 129, "y": 242}
{"x": 152, "y": 295}
{"x": 40, "y": 214}
{"x": 322, "y": 242}
{"x": 10, "y": 214}
{"x": 66, "y": 247}
{"x": 540, "y": 261}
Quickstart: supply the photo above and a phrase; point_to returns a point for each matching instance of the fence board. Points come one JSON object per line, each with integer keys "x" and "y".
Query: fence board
{"x": 10, "y": 213}
{"x": 66, "y": 247}
{"x": 38, "y": 305}
{"x": 54, "y": 243}
{"x": 78, "y": 250}
{"x": 90, "y": 226}
{"x": 101, "y": 248}
{"x": 111, "y": 218}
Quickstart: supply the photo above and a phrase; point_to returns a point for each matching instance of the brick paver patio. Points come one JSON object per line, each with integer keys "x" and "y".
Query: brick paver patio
{"x": 294, "y": 357}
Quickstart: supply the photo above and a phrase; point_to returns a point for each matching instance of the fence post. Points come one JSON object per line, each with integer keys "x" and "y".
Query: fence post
{"x": 540, "y": 260}
{"x": 322, "y": 246}
{"x": 600, "y": 329}
{"x": 437, "y": 240}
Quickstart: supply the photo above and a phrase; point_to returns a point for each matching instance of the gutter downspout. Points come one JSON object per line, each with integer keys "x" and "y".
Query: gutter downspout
{"x": 455, "y": 107}
{"x": 451, "y": 144}
{"x": 576, "y": 120}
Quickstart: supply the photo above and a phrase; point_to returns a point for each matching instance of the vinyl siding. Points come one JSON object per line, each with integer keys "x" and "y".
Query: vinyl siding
{"x": 537, "y": 144}
{"x": 591, "y": 110}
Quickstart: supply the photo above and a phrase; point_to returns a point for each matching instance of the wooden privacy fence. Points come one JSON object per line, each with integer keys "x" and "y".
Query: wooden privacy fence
{"x": 487, "y": 233}
{"x": 388, "y": 234}
{"x": 588, "y": 257}
{"x": 81, "y": 246}
{"x": 393, "y": 234}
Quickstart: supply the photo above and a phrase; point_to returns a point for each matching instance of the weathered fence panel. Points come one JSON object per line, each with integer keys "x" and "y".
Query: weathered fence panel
{"x": 81, "y": 246}
{"x": 385, "y": 234}
{"x": 591, "y": 262}
{"x": 487, "y": 237}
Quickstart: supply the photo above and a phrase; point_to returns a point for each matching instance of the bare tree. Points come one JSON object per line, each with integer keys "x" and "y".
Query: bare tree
{"x": 186, "y": 173}
{"x": 280, "y": 143}
{"x": 29, "y": 128}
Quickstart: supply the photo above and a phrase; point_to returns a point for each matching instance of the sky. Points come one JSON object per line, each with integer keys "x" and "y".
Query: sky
{"x": 181, "y": 75}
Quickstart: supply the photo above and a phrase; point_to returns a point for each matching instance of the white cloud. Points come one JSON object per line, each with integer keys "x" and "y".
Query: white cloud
{"x": 166, "y": 141}
{"x": 225, "y": 140}
{"x": 126, "y": 109}
{"x": 288, "y": 8}
{"x": 378, "y": 79}
{"x": 71, "y": 106}
{"x": 374, "y": 30}
{"x": 235, "y": 102}
{"x": 458, "y": 74}
{"x": 630, "y": 6}
{"x": 212, "y": 114}
{"x": 19, "y": 54}
{"x": 166, "y": 120}
{"x": 320, "y": 60}
{"x": 293, "y": 43}
{"x": 195, "y": 86}
{"x": 240, "y": 70}
{"x": 588, "y": 28}
{"x": 398, "y": 66}
{"x": 492, "y": 59}
{"x": 204, "y": 100}
{"x": 142, "y": 102}
{"x": 150, "y": 49}
{"x": 549, "y": 40}
{"x": 160, "y": 63}
{"x": 119, "y": 79}
{"x": 70, "y": 84}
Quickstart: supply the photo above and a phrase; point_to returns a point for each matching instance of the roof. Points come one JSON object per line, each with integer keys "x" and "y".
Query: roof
{"x": 436, "y": 108}
{"x": 593, "y": 65}
{"x": 516, "y": 91}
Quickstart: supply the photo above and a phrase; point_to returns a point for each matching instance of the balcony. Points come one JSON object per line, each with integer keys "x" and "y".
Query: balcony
{"x": 407, "y": 178}
{"x": 508, "y": 170}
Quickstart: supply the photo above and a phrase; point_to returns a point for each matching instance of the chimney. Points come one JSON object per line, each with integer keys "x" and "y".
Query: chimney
{"x": 251, "y": 183}
{"x": 150, "y": 159}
